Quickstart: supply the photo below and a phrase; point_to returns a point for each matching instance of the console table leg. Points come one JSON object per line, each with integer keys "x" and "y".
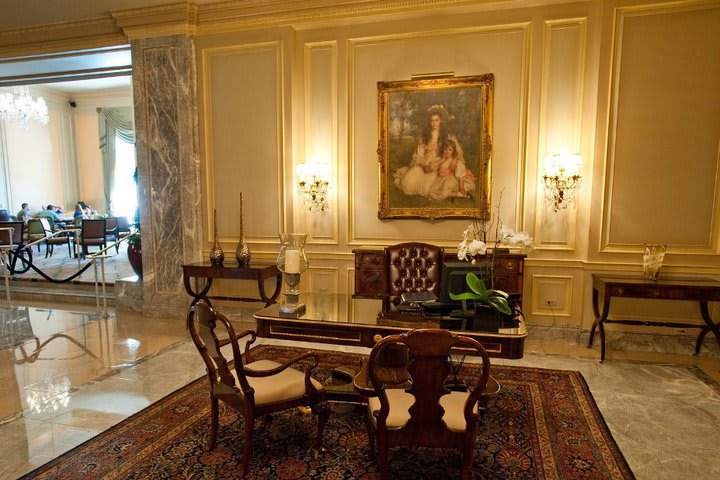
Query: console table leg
{"x": 711, "y": 327}
{"x": 599, "y": 321}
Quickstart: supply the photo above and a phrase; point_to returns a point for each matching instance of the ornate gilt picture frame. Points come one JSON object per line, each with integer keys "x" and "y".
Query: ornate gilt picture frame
{"x": 435, "y": 147}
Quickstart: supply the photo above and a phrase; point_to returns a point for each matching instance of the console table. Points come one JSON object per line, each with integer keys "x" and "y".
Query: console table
{"x": 342, "y": 319}
{"x": 205, "y": 270}
{"x": 701, "y": 290}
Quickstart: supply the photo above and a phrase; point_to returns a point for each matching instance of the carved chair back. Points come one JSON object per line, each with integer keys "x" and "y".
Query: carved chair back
{"x": 203, "y": 324}
{"x": 429, "y": 370}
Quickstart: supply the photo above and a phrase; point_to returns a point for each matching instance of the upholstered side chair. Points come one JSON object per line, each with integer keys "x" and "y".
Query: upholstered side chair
{"x": 412, "y": 267}
{"x": 254, "y": 387}
{"x": 424, "y": 412}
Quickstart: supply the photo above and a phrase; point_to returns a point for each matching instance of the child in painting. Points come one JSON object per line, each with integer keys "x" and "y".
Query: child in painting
{"x": 454, "y": 180}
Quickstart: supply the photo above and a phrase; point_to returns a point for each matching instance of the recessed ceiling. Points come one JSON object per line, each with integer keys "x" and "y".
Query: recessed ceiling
{"x": 88, "y": 64}
{"x": 94, "y": 84}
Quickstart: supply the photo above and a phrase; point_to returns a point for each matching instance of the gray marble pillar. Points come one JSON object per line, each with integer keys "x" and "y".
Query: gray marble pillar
{"x": 166, "y": 128}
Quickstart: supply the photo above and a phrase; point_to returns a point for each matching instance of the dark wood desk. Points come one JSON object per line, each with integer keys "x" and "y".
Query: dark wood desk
{"x": 258, "y": 272}
{"x": 701, "y": 290}
{"x": 341, "y": 319}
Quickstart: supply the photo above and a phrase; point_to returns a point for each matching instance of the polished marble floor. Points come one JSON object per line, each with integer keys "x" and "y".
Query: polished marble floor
{"x": 75, "y": 374}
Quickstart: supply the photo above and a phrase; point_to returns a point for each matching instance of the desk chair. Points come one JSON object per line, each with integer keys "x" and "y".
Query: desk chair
{"x": 253, "y": 388}
{"x": 412, "y": 267}
{"x": 425, "y": 411}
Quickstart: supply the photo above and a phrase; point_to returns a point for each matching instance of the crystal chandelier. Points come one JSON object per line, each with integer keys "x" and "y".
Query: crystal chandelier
{"x": 17, "y": 104}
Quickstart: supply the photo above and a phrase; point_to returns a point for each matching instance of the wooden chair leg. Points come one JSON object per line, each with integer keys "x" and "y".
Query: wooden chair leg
{"x": 214, "y": 422}
{"x": 47, "y": 249}
{"x": 247, "y": 451}
{"x": 382, "y": 447}
{"x": 371, "y": 436}
{"x": 322, "y": 410}
{"x": 467, "y": 461}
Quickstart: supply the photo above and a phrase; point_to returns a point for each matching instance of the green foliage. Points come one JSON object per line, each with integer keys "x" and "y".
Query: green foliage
{"x": 134, "y": 239}
{"x": 483, "y": 295}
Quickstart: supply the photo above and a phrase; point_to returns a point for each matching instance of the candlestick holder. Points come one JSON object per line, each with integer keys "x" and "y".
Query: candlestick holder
{"x": 292, "y": 261}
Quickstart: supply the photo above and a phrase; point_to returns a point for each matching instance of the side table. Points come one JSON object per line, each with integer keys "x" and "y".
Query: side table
{"x": 205, "y": 270}
{"x": 701, "y": 290}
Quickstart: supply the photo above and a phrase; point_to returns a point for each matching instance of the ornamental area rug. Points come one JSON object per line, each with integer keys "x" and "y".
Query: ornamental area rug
{"x": 544, "y": 424}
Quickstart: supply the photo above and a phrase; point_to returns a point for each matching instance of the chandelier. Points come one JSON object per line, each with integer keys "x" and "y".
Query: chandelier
{"x": 562, "y": 179}
{"x": 17, "y": 104}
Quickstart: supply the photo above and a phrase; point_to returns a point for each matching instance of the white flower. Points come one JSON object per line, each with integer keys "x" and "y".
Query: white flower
{"x": 477, "y": 247}
{"x": 508, "y": 236}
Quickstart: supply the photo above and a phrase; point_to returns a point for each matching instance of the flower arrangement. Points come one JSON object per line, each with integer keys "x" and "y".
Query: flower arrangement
{"x": 474, "y": 242}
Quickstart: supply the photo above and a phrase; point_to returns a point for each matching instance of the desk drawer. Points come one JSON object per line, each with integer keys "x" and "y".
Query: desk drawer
{"x": 659, "y": 292}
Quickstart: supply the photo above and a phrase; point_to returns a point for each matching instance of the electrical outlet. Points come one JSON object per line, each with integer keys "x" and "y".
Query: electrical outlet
{"x": 551, "y": 302}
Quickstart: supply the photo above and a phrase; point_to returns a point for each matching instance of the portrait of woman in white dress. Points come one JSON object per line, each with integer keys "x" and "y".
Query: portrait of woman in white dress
{"x": 434, "y": 147}
{"x": 421, "y": 174}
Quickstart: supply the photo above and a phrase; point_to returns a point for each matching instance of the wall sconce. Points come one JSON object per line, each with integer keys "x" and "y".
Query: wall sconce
{"x": 313, "y": 182}
{"x": 562, "y": 179}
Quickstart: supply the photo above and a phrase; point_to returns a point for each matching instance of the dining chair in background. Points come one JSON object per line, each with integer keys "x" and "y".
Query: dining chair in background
{"x": 92, "y": 234}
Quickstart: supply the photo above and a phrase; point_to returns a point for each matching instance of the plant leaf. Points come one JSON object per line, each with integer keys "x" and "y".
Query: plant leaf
{"x": 498, "y": 293}
{"x": 475, "y": 284}
{"x": 464, "y": 296}
{"x": 500, "y": 305}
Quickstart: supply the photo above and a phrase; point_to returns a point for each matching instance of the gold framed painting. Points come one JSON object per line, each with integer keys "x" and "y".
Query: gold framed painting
{"x": 435, "y": 147}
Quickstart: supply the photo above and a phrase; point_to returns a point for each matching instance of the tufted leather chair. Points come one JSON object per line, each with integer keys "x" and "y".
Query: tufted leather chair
{"x": 413, "y": 267}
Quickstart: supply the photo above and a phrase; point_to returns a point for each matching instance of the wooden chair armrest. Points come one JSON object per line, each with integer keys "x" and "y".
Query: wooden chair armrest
{"x": 361, "y": 382}
{"x": 276, "y": 370}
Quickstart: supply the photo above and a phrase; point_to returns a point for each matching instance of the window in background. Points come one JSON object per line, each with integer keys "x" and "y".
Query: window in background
{"x": 124, "y": 198}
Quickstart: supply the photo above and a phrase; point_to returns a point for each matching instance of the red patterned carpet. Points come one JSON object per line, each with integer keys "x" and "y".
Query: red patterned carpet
{"x": 543, "y": 425}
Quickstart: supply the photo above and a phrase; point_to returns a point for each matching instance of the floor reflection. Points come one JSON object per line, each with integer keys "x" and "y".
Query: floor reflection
{"x": 46, "y": 353}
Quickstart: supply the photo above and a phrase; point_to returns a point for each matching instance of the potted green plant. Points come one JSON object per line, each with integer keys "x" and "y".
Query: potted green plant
{"x": 483, "y": 296}
{"x": 134, "y": 252}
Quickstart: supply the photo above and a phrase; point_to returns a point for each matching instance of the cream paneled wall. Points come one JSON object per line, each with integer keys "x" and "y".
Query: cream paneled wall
{"x": 665, "y": 118}
{"x": 612, "y": 81}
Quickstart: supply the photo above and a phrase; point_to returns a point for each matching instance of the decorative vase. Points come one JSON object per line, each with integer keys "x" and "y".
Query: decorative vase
{"x": 217, "y": 256}
{"x": 134, "y": 252}
{"x": 242, "y": 254}
{"x": 653, "y": 256}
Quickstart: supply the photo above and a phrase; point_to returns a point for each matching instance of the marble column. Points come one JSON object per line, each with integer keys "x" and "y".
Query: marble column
{"x": 166, "y": 128}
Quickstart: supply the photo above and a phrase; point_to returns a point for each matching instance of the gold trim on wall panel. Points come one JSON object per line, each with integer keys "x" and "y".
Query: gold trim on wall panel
{"x": 334, "y": 272}
{"x": 538, "y": 307}
{"x": 309, "y": 48}
{"x": 549, "y": 25}
{"x": 524, "y": 28}
{"x": 277, "y": 47}
{"x": 620, "y": 13}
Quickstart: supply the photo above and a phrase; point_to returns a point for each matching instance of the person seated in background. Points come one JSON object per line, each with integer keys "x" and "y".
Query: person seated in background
{"x": 78, "y": 213}
{"x": 24, "y": 214}
{"x": 49, "y": 212}
{"x": 4, "y": 215}
{"x": 87, "y": 209}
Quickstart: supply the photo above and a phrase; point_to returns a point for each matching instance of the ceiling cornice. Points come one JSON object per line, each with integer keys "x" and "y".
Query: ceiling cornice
{"x": 158, "y": 21}
{"x": 61, "y": 37}
{"x": 189, "y": 18}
